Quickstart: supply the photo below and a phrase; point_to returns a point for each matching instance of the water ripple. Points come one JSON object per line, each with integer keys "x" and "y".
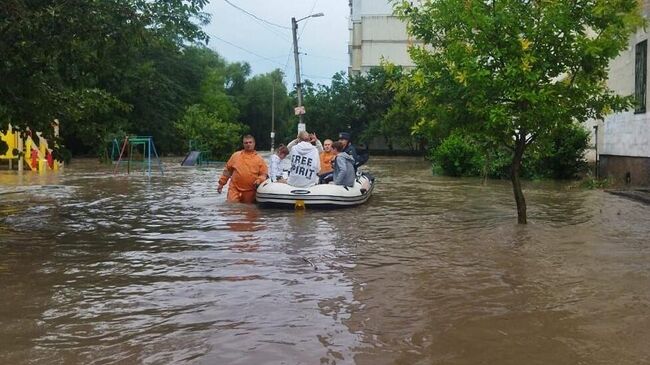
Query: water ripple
{"x": 97, "y": 268}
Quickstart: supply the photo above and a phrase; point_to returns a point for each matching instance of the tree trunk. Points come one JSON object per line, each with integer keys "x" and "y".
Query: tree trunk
{"x": 516, "y": 182}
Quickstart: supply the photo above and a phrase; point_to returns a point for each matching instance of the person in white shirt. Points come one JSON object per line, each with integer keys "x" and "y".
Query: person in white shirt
{"x": 313, "y": 139}
{"x": 305, "y": 163}
{"x": 275, "y": 168}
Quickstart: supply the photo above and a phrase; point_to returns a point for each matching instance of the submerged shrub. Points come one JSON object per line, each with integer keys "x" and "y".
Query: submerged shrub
{"x": 457, "y": 155}
{"x": 561, "y": 156}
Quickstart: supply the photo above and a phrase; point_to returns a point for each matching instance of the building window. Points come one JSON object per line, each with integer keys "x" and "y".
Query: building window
{"x": 640, "y": 76}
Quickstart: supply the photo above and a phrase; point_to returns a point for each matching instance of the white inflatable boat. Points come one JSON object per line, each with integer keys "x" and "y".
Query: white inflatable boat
{"x": 318, "y": 196}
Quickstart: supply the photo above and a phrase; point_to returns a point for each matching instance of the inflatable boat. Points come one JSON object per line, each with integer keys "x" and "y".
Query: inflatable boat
{"x": 318, "y": 196}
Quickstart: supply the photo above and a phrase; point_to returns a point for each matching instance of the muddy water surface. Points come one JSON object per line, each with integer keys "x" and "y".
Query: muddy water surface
{"x": 103, "y": 269}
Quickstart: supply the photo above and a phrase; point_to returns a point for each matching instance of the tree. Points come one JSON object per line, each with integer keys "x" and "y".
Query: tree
{"x": 213, "y": 134}
{"x": 255, "y": 103}
{"x": 84, "y": 62}
{"x": 356, "y": 104}
{"x": 212, "y": 118}
{"x": 514, "y": 71}
{"x": 401, "y": 111}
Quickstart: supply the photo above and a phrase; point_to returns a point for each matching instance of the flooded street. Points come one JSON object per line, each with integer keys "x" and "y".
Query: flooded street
{"x": 103, "y": 269}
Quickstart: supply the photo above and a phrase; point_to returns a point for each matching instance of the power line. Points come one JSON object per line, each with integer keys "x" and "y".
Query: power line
{"x": 302, "y": 30}
{"x": 245, "y": 50}
{"x": 263, "y": 23}
{"x": 308, "y": 19}
{"x": 255, "y": 16}
{"x": 316, "y": 77}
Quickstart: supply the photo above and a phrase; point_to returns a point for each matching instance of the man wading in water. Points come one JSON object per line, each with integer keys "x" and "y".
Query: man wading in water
{"x": 246, "y": 170}
{"x": 305, "y": 163}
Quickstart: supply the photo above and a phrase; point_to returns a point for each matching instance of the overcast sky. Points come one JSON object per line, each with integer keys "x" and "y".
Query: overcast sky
{"x": 323, "y": 41}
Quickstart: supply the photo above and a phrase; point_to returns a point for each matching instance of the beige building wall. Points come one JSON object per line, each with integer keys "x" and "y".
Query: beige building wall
{"x": 376, "y": 35}
{"x": 624, "y": 138}
{"x": 626, "y": 133}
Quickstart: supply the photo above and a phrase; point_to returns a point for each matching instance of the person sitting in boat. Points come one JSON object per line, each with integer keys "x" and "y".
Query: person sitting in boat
{"x": 326, "y": 158}
{"x": 343, "y": 166}
{"x": 312, "y": 139}
{"x": 275, "y": 169}
{"x": 305, "y": 163}
{"x": 344, "y": 138}
{"x": 246, "y": 170}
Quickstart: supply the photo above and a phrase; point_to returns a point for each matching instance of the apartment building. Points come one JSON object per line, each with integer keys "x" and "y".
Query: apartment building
{"x": 623, "y": 139}
{"x": 376, "y": 34}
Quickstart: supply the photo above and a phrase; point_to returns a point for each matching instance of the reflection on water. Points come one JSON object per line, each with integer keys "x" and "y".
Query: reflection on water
{"x": 101, "y": 269}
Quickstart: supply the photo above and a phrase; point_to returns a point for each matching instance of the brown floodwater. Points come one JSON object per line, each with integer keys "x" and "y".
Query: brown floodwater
{"x": 103, "y": 269}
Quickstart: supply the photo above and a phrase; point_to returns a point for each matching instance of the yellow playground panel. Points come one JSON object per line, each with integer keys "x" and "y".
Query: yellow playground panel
{"x": 37, "y": 156}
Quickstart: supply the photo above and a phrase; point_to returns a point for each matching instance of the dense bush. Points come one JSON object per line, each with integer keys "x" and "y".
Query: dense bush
{"x": 457, "y": 155}
{"x": 559, "y": 157}
{"x": 218, "y": 138}
{"x": 564, "y": 157}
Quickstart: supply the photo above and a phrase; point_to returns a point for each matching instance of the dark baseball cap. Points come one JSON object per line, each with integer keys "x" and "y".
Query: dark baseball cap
{"x": 344, "y": 135}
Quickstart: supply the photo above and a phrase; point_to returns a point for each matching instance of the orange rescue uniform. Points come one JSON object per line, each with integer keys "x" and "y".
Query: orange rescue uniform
{"x": 245, "y": 170}
{"x": 326, "y": 162}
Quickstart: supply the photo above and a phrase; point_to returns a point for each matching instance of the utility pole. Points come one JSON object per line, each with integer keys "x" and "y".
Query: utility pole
{"x": 296, "y": 57}
{"x": 294, "y": 29}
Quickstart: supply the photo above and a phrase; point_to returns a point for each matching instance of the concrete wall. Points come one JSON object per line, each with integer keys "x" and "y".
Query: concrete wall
{"x": 354, "y": 48}
{"x": 376, "y": 35}
{"x": 626, "y": 133}
{"x": 383, "y": 28}
{"x": 617, "y": 169}
{"x": 370, "y": 7}
{"x": 624, "y": 138}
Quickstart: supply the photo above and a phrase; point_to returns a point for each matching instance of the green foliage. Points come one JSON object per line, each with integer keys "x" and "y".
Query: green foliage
{"x": 334, "y": 108}
{"x": 513, "y": 72}
{"x": 377, "y": 104}
{"x": 593, "y": 183}
{"x": 458, "y": 155}
{"x": 214, "y": 135}
{"x": 560, "y": 157}
{"x": 95, "y": 65}
{"x": 255, "y": 101}
{"x": 401, "y": 111}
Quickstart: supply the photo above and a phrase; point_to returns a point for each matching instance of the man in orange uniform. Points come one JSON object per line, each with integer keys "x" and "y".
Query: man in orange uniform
{"x": 246, "y": 170}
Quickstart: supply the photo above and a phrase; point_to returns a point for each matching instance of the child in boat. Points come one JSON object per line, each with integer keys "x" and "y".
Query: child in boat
{"x": 275, "y": 170}
{"x": 343, "y": 166}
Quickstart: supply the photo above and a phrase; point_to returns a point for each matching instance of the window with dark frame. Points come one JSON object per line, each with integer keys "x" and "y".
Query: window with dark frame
{"x": 640, "y": 76}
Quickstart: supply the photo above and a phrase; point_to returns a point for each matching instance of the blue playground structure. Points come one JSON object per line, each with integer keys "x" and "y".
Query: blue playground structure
{"x": 135, "y": 146}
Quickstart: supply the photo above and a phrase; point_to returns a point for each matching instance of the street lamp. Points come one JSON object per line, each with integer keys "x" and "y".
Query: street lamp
{"x": 299, "y": 110}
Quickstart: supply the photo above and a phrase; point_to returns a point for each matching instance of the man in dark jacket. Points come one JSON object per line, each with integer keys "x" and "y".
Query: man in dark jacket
{"x": 343, "y": 166}
{"x": 344, "y": 138}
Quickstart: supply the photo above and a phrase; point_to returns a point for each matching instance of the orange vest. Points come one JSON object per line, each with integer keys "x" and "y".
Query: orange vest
{"x": 326, "y": 162}
{"x": 244, "y": 169}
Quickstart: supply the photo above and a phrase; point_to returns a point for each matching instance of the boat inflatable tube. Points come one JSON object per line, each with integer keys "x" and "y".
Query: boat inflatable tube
{"x": 318, "y": 196}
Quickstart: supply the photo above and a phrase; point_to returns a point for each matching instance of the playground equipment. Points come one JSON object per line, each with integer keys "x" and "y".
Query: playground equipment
{"x": 196, "y": 155}
{"x": 114, "y": 153}
{"x": 192, "y": 158}
{"x": 37, "y": 156}
{"x": 138, "y": 145}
